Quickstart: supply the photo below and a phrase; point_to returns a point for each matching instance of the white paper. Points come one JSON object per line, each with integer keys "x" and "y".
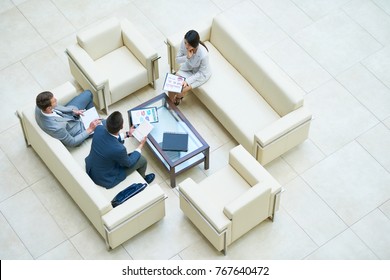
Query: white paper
{"x": 88, "y": 116}
{"x": 173, "y": 83}
{"x": 144, "y": 114}
{"x": 142, "y": 130}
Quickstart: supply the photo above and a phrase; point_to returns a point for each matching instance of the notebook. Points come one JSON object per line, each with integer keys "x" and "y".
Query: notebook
{"x": 88, "y": 116}
{"x": 173, "y": 141}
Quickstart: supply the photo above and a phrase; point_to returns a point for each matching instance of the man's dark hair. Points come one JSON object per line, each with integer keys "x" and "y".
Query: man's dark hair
{"x": 43, "y": 100}
{"x": 114, "y": 122}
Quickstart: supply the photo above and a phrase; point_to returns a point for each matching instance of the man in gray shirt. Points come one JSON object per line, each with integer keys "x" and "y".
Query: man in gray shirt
{"x": 63, "y": 122}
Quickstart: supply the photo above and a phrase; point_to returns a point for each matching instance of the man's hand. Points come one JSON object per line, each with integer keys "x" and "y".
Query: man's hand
{"x": 142, "y": 143}
{"x": 130, "y": 132}
{"x": 78, "y": 112}
{"x": 93, "y": 125}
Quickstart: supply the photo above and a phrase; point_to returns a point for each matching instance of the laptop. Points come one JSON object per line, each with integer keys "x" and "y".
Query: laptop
{"x": 174, "y": 141}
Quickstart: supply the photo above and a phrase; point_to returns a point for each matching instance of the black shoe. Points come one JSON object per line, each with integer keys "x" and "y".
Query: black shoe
{"x": 149, "y": 178}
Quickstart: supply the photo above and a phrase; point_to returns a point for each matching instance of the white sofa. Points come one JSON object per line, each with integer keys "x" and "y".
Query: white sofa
{"x": 248, "y": 93}
{"x": 231, "y": 201}
{"x": 113, "y": 60}
{"x": 116, "y": 225}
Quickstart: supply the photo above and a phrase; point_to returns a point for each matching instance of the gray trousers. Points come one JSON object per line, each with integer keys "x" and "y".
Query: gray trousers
{"x": 140, "y": 166}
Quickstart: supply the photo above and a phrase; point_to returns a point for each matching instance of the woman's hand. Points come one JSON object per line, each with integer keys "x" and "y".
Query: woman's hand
{"x": 184, "y": 84}
{"x": 190, "y": 53}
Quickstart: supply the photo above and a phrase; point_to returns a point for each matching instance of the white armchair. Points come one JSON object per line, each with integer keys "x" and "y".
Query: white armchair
{"x": 230, "y": 202}
{"x": 113, "y": 60}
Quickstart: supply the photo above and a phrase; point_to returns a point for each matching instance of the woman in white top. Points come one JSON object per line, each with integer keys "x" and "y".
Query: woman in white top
{"x": 193, "y": 58}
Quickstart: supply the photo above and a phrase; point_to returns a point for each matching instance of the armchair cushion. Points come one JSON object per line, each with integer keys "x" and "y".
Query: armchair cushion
{"x": 124, "y": 72}
{"x": 212, "y": 194}
{"x": 101, "y": 38}
{"x": 205, "y": 205}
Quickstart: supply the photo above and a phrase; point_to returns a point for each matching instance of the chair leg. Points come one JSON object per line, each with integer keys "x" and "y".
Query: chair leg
{"x": 105, "y": 101}
{"x": 224, "y": 251}
{"x": 154, "y": 61}
{"x": 108, "y": 247}
{"x": 23, "y": 129}
{"x": 276, "y": 198}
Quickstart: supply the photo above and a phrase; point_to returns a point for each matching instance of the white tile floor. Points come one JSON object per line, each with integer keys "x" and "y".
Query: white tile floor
{"x": 337, "y": 199}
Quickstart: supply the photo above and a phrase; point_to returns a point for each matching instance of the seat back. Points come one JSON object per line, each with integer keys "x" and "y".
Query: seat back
{"x": 203, "y": 27}
{"x": 101, "y": 39}
{"x": 274, "y": 85}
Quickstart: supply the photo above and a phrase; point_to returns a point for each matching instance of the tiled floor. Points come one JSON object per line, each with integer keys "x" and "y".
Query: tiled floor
{"x": 336, "y": 203}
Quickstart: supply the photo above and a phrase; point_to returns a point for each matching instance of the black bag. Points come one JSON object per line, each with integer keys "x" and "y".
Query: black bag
{"x": 124, "y": 195}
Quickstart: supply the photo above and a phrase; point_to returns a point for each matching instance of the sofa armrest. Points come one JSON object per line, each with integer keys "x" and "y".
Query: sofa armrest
{"x": 254, "y": 201}
{"x": 283, "y": 126}
{"x": 146, "y": 199}
{"x": 173, "y": 45}
{"x": 141, "y": 49}
{"x": 249, "y": 209}
{"x": 204, "y": 206}
{"x": 248, "y": 167}
{"x": 64, "y": 93}
{"x": 174, "y": 40}
{"x": 87, "y": 66}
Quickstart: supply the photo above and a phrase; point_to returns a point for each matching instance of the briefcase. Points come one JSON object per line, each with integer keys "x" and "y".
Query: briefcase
{"x": 127, "y": 193}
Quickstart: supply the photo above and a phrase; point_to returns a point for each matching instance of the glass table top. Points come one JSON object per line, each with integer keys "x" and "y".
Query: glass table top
{"x": 170, "y": 119}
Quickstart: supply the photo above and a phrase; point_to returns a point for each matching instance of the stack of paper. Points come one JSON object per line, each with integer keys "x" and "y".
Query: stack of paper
{"x": 173, "y": 83}
{"x": 142, "y": 130}
{"x": 88, "y": 116}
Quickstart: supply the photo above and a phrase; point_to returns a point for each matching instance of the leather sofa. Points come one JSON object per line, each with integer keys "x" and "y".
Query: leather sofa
{"x": 231, "y": 201}
{"x": 116, "y": 225}
{"x": 261, "y": 107}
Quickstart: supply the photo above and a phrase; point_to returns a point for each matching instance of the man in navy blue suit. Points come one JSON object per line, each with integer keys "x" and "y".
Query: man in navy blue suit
{"x": 108, "y": 163}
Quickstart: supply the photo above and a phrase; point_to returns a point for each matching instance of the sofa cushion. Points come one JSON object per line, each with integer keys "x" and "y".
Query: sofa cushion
{"x": 223, "y": 187}
{"x": 279, "y": 90}
{"x": 101, "y": 38}
{"x": 238, "y": 106}
{"x": 124, "y": 72}
{"x": 81, "y": 152}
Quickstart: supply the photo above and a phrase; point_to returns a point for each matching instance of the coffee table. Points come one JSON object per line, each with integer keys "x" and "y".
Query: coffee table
{"x": 171, "y": 119}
